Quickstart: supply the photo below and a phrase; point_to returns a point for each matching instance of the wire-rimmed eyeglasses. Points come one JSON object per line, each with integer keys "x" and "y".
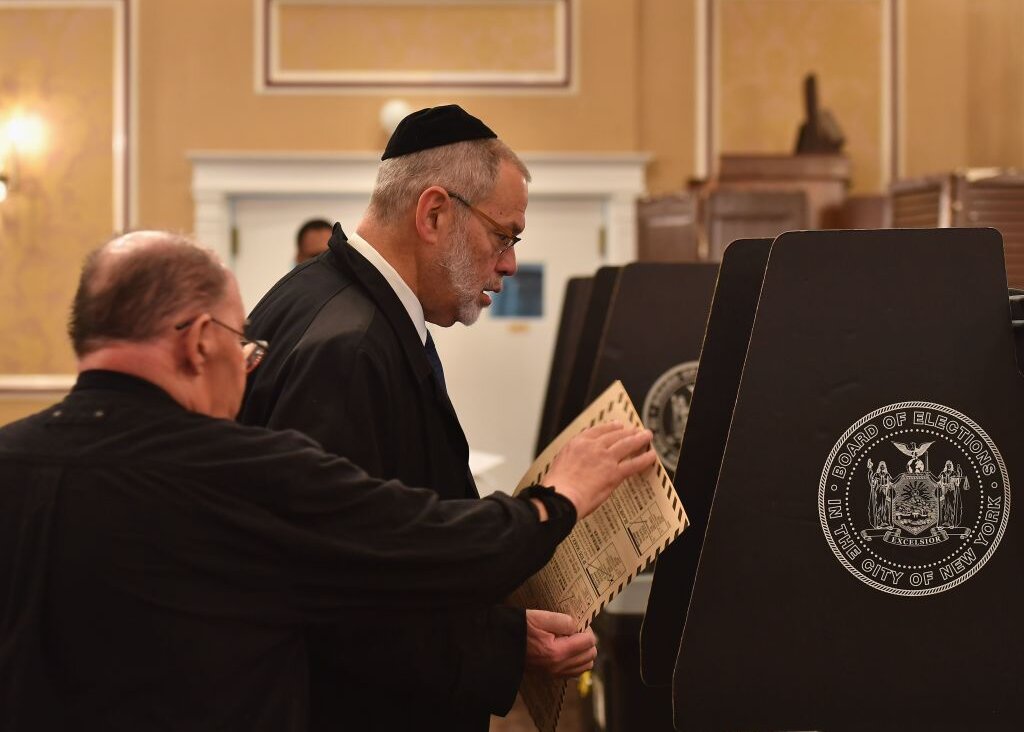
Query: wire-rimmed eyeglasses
{"x": 254, "y": 350}
{"x": 506, "y": 235}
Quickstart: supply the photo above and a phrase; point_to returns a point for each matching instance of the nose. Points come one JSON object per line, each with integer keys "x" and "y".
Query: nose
{"x": 506, "y": 264}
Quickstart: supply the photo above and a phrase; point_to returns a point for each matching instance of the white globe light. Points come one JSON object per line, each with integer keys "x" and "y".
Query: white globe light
{"x": 392, "y": 112}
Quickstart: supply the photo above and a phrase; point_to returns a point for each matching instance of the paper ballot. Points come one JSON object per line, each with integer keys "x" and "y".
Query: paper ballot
{"x": 604, "y": 552}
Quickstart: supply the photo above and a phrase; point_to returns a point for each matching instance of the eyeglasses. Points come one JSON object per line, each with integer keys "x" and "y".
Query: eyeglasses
{"x": 254, "y": 350}
{"x": 508, "y": 238}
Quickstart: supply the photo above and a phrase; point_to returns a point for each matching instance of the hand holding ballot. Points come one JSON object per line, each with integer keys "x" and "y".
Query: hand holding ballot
{"x": 612, "y": 541}
{"x": 596, "y": 461}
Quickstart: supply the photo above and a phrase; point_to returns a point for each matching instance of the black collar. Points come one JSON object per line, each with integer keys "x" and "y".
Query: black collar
{"x": 96, "y": 379}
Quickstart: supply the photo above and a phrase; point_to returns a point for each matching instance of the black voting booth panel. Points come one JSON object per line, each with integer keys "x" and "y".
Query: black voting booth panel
{"x": 651, "y": 342}
{"x": 700, "y": 456}
{"x": 602, "y": 292}
{"x": 570, "y": 327}
{"x": 835, "y": 592}
{"x": 626, "y": 704}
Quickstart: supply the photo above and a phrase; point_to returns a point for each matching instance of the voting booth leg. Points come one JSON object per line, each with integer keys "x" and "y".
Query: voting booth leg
{"x": 621, "y": 701}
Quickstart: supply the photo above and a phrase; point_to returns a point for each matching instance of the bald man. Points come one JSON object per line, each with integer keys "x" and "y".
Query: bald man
{"x": 159, "y": 563}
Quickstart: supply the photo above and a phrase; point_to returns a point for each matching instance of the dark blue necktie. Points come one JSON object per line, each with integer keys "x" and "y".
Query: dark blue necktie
{"x": 435, "y": 362}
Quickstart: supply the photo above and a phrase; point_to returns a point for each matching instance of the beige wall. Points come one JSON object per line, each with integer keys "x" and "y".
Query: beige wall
{"x": 636, "y": 87}
{"x": 205, "y": 98}
{"x": 13, "y": 408}
{"x": 767, "y": 47}
{"x": 963, "y": 92}
{"x": 995, "y": 101}
{"x": 464, "y": 37}
{"x": 666, "y": 78}
{"x": 960, "y": 100}
{"x": 934, "y": 74}
{"x": 62, "y": 204}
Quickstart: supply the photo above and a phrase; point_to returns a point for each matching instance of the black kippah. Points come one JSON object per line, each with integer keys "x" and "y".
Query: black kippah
{"x": 434, "y": 127}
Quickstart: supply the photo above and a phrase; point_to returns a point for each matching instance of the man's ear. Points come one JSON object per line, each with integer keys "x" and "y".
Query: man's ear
{"x": 432, "y": 209}
{"x": 195, "y": 346}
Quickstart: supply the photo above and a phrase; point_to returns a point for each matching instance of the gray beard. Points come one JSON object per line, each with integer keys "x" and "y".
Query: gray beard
{"x": 458, "y": 264}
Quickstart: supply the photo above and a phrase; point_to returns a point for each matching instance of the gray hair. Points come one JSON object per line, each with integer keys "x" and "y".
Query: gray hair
{"x": 468, "y": 168}
{"x": 134, "y": 293}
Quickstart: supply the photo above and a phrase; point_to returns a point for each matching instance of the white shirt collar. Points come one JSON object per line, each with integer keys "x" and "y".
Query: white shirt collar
{"x": 404, "y": 292}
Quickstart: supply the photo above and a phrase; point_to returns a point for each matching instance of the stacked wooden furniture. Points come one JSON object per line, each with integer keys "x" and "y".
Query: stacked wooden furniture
{"x": 970, "y": 197}
{"x": 668, "y": 229}
{"x": 751, "y": 196}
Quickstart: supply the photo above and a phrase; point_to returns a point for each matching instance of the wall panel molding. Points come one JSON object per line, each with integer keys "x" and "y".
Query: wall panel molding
{"x": 14, "y": 386}
{"x": 494, "y": 46}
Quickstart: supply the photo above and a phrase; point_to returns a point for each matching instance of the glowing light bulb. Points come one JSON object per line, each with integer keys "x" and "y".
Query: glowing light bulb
{"x": 26, "y": 133}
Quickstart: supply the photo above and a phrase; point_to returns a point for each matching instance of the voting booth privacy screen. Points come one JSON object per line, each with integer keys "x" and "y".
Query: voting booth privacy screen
{"x": 643, "y": 324}
{"x": 860, "y": 568}
{"x": 656, "y": 356}
{"x": 713, "y": 396}
{"x": 845, "y": 410}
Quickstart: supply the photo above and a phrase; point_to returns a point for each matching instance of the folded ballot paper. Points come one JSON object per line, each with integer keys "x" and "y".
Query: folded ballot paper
{"x": 604, "y": 552}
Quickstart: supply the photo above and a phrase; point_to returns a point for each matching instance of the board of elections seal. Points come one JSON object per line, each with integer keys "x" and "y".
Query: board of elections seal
{"x": 666, "y": 408}
{"x": 914, "y": 498}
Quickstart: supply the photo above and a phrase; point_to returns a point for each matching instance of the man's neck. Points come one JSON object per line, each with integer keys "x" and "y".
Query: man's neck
{"x": 145, "y": 361}
{"x": 393, "y": 246}
{"x": 409, "y": 287}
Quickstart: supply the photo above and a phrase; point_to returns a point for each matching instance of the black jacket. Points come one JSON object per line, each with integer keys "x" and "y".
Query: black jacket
{"x": 346, "y": 366}
{"x": 158, "y": 568}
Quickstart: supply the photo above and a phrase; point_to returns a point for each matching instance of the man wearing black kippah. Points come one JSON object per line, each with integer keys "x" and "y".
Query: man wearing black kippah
{"x": 354, "y": 367}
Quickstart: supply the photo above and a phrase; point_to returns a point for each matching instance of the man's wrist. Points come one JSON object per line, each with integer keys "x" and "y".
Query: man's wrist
{"x": 556, "y": 505}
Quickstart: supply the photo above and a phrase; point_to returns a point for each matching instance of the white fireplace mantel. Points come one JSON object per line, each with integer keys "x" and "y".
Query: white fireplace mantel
{"x": 219, "y": 177}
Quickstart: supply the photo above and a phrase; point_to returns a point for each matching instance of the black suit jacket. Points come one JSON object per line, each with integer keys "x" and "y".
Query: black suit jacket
{"x": 346, "y": 366}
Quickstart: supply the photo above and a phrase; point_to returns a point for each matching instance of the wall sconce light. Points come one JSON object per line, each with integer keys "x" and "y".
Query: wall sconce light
{"x": 22, "y": 135}
{"x": 6, "y": 165}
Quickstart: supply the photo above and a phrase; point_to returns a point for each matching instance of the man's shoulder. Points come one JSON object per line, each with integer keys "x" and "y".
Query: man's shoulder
{"x": 25, "y": 433}
{"x": 315, "y": 303}
{"x": 348, "y": 312}
{"x": 126, "y": 432}
{"x": 346, "y": 327}
{"x": 305, "y": 289}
